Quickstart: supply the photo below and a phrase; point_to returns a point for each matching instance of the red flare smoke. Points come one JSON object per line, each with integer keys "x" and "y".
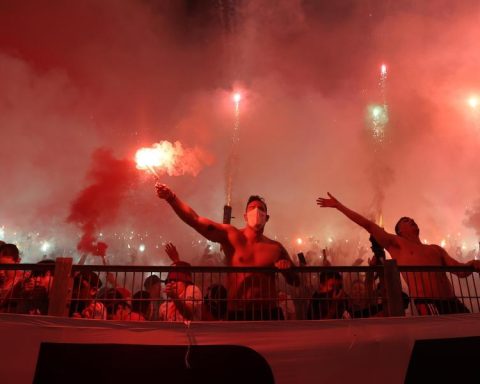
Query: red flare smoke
{"x": 98, "y": 204}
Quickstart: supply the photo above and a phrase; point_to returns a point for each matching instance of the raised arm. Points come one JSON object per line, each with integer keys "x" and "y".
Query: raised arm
{"x": 385, "y": 239}
{"x": 209, "y": 229}
{"x": 451, "y": 262}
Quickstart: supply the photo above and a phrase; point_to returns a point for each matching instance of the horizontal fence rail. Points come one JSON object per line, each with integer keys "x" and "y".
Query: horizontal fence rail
{"x": 159, "y": 293}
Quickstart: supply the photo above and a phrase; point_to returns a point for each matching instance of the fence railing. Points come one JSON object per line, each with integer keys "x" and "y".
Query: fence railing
{"x": 177, "y": 293}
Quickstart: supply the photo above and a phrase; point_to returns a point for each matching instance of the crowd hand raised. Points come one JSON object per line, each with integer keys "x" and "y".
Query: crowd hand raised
{"x": 283, "y": 264}
{"x": 163, "y": 192}
{"x": 330, "y": 202}
{"x": 172, "y": 252}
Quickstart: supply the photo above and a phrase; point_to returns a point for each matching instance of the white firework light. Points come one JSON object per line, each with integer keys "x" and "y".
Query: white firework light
{"x": 232, "y": 161}
{"x": 378, "y": 113}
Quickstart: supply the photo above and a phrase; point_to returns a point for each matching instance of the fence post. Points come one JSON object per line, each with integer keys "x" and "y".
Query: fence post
{"x": 393, "y": 289}
{"x": 61, "y": 288}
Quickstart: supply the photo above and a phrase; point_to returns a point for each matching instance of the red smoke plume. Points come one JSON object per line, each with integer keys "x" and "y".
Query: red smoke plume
{"x": 97, "y": 205}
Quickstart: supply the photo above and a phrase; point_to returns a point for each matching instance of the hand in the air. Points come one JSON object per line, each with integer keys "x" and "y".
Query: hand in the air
{"x": 172, "y": 252}
{"x": 330, "y": 202}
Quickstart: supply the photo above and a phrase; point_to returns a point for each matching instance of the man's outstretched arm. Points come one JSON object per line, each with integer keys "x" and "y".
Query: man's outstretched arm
{"x": 209, "y": 229}
{"x": 451, "y": 262}
{"x": 385, "y": 239}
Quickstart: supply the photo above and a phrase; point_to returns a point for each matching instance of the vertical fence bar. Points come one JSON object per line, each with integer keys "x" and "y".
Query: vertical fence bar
{"x": 393, "y": 289}
{"x": 61, "y": 288}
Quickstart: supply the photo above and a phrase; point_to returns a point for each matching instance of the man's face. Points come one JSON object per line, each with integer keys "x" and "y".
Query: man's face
{"x": 407, "y": 226}
{"x": 44, "y": 281}
{"x": 6, "y": 275}
{"x": 331, "y": 285}
{"x": 155, "y": 290}
{"x": 256, "y": 215}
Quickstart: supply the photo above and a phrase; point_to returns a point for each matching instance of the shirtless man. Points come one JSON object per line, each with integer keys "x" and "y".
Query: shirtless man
{"x": 432, "y": 290}
{"x": 251, "y": 295}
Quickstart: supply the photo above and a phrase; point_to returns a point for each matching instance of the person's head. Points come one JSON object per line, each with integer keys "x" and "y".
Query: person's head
{"x": 8, "y": 255}
{"x": 182, "y": 277}
{"x": 330, "y": 281}
{"x": 86, "y": 285}
{"x": 358, "y": 293}
{"x": 256, "y": 213}
{"x": 216, "y": 300}
{"x": 406, "y": 227}
{"x": 44, "y": 278}
{"x": 153, "y": 285}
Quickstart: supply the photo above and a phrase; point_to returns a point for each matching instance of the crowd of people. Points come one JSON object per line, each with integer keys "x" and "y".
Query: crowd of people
{"x": 248, "y": 294}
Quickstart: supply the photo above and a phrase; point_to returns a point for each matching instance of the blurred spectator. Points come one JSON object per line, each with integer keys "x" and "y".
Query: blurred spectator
{"x": 286, "y": 304}
{"x": 184, "y": 299}
{"x": 84, "y": 303}
{"x": 215, "y": 303}
{"x": 330, "y": 300}
{"x": 33, "y": 293}
{"x": 153, "y": 286}
{"x": 140, "y": 305}
{"x": 9, "y": 254}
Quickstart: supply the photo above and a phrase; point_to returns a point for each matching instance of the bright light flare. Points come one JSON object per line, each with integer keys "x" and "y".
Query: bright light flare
{"x": 161, "y": 155}
{"x": 237, "y": 97}
{"x": 383, "y": 70}
{"x": 45, "y": 246}
{"x": 141, "y": 248}
{"x": 299, "y": 241}
{"x": 473, "y": 102}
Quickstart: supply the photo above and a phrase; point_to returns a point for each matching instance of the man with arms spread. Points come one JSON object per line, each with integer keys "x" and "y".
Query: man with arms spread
{"x": 433, "y": 291}
{"x": 252, "y": 296}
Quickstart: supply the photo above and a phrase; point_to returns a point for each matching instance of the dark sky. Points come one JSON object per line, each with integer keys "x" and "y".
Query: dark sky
{"x": 78, "y": 76}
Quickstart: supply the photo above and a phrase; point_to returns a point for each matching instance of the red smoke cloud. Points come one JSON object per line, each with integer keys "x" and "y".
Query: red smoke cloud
{"x": 98, "y": 204}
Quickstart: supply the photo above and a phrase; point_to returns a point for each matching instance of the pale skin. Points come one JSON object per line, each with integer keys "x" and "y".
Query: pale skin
{"x": 245, "y": 247}
{"x": 407, "y": 249}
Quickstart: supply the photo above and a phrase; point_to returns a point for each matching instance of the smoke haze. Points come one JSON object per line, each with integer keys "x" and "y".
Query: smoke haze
{"x": 120, "y": 75}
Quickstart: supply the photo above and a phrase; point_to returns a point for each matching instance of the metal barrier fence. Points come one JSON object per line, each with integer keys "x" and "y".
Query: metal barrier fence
{"x": 138, "y": 293}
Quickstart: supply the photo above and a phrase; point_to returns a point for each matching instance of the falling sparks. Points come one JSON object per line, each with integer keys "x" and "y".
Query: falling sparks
{"x": 232, "y": 160}
{"x": 378, "y": 114}
{"x": 378, "y": 118}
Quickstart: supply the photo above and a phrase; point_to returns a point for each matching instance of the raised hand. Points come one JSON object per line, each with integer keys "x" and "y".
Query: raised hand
{"x": 330, "y": 202}
{"x": 163, "y": 192}
{"x": 172, "y": 252}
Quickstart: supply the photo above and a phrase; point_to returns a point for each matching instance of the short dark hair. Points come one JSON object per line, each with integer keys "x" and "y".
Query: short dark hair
{"x": 324, "y": 276}
{"x": 10, "y": 250}
{"x": 42, "y": 272}
{"x": 184, "y": 276}
{"x": 151, "y": 281}
{"x": 256, "y": 198}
